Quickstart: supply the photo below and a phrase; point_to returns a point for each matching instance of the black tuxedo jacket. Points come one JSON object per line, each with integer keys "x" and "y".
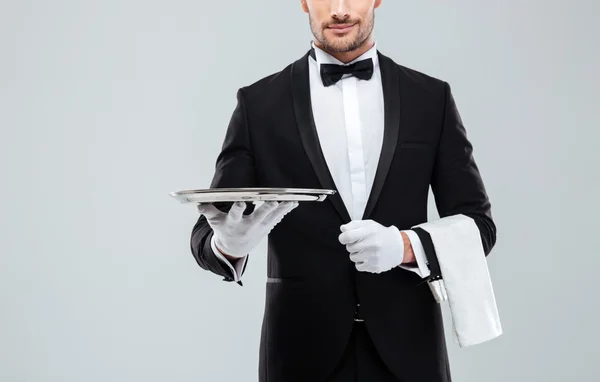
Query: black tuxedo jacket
{"x": 312, "y": 287}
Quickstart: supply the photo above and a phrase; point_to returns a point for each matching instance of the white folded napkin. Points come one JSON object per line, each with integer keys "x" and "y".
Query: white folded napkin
{"x": 465, "y": 283}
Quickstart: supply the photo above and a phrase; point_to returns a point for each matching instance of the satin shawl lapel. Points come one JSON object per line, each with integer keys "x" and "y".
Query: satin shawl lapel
{"x": 390, "y": 79}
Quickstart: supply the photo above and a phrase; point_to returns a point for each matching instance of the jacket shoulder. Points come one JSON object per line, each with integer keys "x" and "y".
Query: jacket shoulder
{"x": 269, "y": 83}
{"x": 418, "y": 78}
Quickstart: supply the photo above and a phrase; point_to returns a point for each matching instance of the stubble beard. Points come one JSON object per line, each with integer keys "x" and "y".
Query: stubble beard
{"x": 343, "y": 45}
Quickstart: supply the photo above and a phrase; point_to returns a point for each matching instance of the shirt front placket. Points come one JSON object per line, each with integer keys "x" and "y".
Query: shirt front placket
{"x": 356, "y": 155}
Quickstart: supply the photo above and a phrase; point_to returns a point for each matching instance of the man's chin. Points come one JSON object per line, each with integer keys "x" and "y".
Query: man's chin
{"x": 340, "y": 44}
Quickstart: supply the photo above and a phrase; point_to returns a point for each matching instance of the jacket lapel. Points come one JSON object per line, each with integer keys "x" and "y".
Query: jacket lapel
{"x": 300, "y": 84}
{"x": 390, "y": 79}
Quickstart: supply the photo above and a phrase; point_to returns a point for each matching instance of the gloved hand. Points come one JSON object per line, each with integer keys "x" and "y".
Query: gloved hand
{"x": 373, "y": 247}
{"x": 237, "y": 234}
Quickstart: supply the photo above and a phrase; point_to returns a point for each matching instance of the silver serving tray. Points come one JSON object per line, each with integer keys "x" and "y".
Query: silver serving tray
{"x": 215, "y": 195}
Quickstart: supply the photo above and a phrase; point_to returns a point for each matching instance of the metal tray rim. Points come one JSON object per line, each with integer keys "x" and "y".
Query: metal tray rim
{"x": 255, "y": 190}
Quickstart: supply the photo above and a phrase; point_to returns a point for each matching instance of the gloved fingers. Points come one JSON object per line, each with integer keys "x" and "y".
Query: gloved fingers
{"x": 363, "y": 266}
{"x": 355, "y": 224}
{"x": 355, "y": 234}
{"x": 265, "y": 209}
{"x": 275, "y": 216}
{"x": 358, "y": 246}
{"x": 359, "y": 257}
{"x": 209, "y": 211}
{"x": 237, "y": 210}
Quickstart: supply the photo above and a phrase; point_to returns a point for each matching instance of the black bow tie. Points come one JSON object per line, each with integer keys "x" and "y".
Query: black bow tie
{"x": 332, "y": 73}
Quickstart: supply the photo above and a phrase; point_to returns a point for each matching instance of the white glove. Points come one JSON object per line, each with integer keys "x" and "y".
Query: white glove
{"x": 373, "y": 247}
{"x": 237, "y": 234}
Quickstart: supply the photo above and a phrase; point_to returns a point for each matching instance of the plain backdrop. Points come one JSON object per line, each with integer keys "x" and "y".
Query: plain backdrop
{"x": 107, "y": 106}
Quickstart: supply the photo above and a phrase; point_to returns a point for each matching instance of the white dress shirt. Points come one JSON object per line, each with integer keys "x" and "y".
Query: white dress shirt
{"x": 349, "y": 117}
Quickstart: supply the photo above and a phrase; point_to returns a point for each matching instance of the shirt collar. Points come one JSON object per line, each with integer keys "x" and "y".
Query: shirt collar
{"x": 322, "y": 57}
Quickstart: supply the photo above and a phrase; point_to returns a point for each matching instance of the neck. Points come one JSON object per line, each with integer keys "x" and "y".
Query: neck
{"x": 346, "y": 57}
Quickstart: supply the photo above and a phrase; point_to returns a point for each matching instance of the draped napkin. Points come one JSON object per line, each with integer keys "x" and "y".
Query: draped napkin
{"x": 465, "y": 282}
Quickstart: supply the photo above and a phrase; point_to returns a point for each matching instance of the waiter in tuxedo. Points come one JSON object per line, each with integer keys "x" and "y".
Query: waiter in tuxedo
{"x": 346, "y": 294}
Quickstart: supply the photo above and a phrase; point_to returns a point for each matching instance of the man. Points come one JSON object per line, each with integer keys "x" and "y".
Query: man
{"x": 346, "y": 296}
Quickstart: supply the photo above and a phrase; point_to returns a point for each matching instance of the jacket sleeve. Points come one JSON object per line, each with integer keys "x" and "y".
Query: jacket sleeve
{"x": 234, "y": 168}
{"x": 457, "y": 184}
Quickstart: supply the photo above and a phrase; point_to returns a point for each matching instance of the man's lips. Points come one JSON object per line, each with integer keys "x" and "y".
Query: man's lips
{"x": 341, "y": 28}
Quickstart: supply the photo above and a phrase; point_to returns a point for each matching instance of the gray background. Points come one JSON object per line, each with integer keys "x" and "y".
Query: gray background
{"x": 107, "y": 106}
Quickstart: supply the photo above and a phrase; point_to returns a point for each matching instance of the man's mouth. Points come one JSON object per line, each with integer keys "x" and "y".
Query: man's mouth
{"x": 341, "y": 28}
